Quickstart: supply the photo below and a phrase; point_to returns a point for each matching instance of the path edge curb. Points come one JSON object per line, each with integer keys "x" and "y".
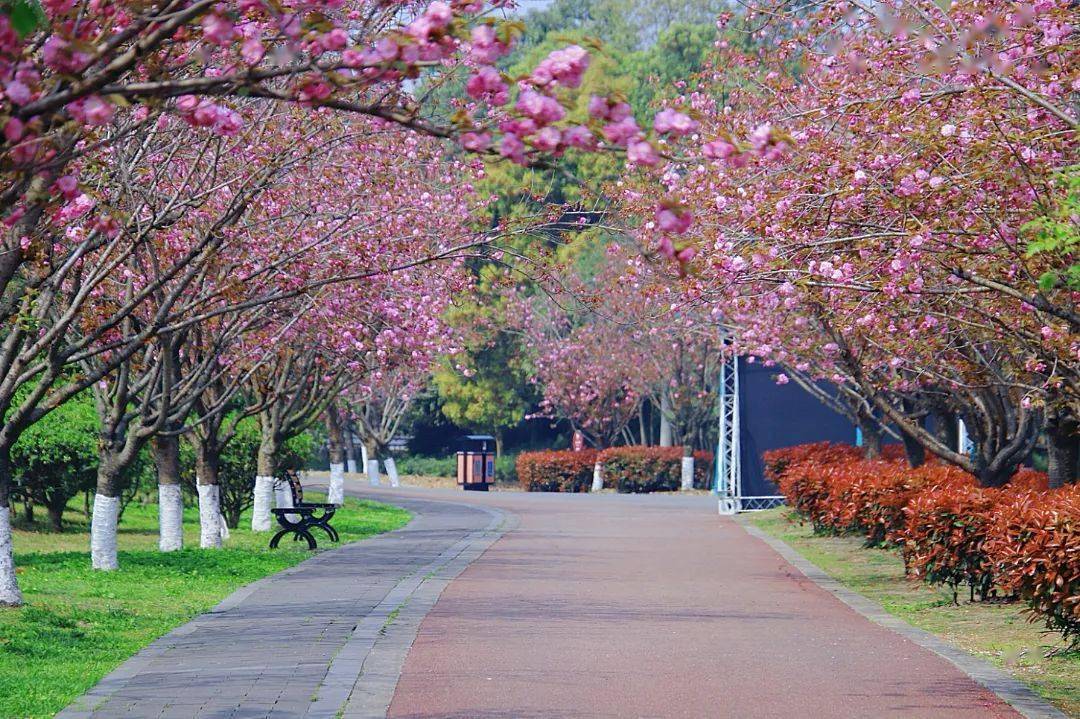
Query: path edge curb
{"x": 1010, "y": 689}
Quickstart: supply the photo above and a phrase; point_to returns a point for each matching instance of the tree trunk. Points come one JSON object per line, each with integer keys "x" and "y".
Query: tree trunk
{"x": 498, "y": 444}
{"x": 266, "y": 471}
{"x": 665, "y": 422}
{"x": 106, "y": 513}
{"x": 10, "y": 596}
{"x": 28, "y": 509}
{"x": 641, "y": 425}
{"x": 166, "y": 449}
{"x": 56, "y": 517}
{"x": 211, "y": 524}
{"x": 871, "y": 435}
{"x": 597, "y": 476}
{"x": 995, "y": 478}
{"x": 336, "y": 442}
{"x": 914, "y": 451}
{"x": 947, "y": 429}
{"x": 371, "y": 452}
{"x": 1063, "y": 450}
{"x": 350, "y": 446}
{"x": 391, "y": 471}
{"x": 687, "y": 469}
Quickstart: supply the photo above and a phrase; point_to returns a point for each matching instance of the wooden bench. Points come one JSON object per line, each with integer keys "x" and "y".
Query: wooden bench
{"x": 308, "y": 515}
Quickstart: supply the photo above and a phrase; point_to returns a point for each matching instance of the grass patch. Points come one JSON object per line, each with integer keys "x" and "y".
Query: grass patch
{"x": 998, "y": 632}
{"x": 78, "y": 625}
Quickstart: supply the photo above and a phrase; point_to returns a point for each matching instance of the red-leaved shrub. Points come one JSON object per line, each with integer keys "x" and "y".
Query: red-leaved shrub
{"x": 1028, "y": 479}
{"x": 944, "y": 533}
{"x": 556, "y": 471}
{"x": 874, "y": 499}
{"x": 639, "y": 469}
{"x": 821, "y": 454}
{"x": 1034, "y": 543}
{"x": 1022, "y": 538}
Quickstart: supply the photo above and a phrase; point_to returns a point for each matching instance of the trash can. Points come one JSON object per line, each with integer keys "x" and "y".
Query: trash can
{"x": 476, "y": 463}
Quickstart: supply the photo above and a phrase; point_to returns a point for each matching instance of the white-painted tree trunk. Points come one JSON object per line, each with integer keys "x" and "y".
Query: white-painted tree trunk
{"x": 687, "y": 473}
{"x": 170, "y": 518}
{"x": 665, "y": 422}
{"x": 373, "y": 472}
{"x": 363, "y": 454}
{"x": 391, "y": 471}
{"x": 103, "y": 532}
{"x": 597, "y": 477}
{"x": 283, "y": 498}
{"x": 211, "y": 522}
{"x": 263, "y": 501}
{"x": 335, "y": 494}
{"x": 9, "y": 585}
{"x": 351, "y": 464}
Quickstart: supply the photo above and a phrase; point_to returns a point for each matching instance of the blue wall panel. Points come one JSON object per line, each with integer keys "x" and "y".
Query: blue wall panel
{"x": 773, "y": 416}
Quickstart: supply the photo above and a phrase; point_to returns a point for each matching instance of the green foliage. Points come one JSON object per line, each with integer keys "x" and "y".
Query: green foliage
{"x": 56, "y": 457}
{"x": 487, "y": 385}
{"x": 79, "y": 624}
{"x": 25, "y": 15}
{"x": 680, "y": 53}
{"x": 1055, "y": 236}
{"x": 505, "y": 466}
{"x": 427, "y": 466}
{"x": 644, "y": 48}
{"x": 625, "y": 25}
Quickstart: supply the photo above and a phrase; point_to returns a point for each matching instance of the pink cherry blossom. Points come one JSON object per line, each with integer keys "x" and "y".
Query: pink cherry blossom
{"x": 674, "y": 220}
{"x": 674, "y": 122}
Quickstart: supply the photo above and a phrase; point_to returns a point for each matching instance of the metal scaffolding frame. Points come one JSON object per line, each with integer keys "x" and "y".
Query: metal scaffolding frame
{"x": 728, "y": 485}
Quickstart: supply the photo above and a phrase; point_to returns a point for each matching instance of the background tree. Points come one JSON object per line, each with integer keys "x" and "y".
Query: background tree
{"x": 56, "y": 458}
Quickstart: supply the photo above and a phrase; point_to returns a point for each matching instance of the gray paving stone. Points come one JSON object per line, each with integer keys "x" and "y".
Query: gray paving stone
{"x": 304, "y": 634}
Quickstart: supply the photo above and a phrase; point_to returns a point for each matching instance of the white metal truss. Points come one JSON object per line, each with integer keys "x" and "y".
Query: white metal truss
{"x": 728, "y": 451}
{"x": 967, "y": 445}
{"x": 728, "y": 469}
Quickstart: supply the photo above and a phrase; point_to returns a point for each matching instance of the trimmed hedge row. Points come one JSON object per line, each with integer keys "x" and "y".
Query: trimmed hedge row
{"x": 625, "y": 469}
{"x": 640, "y": 470}
{"x": 556, "y": 471}
{"x": 1022, "y": 539}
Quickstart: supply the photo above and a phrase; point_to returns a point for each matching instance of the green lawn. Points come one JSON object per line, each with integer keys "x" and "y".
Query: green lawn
{"x": 997, "y": 632}
{"x": 78, "y": 625}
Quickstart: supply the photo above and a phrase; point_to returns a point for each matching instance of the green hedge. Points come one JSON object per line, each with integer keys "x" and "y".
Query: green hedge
{"x": 505, "y": 470}
{"x": 427, "y": 466}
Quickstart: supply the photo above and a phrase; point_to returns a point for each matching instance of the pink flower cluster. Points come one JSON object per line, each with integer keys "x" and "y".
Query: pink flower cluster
{"x": 563, "y": 67}
{"x": 200, "y": 112}
{"x": 485, "y": 47}
{"x": 487, "y": 83}
{"x": 670, "y": 121}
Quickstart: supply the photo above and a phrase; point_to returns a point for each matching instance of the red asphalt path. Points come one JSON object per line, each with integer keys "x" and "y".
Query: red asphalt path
{"x": 617, "y": 606}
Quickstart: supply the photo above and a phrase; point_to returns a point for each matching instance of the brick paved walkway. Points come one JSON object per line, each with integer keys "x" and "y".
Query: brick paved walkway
{"x": 632, "y": 606}
{"x": 293, "y": 645}
{"x": 587, "y": 606}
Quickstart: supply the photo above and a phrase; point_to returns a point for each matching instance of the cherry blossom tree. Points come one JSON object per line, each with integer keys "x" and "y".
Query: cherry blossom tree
{"x": 863, "y": 219}
{"x": 87, "y": 83}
